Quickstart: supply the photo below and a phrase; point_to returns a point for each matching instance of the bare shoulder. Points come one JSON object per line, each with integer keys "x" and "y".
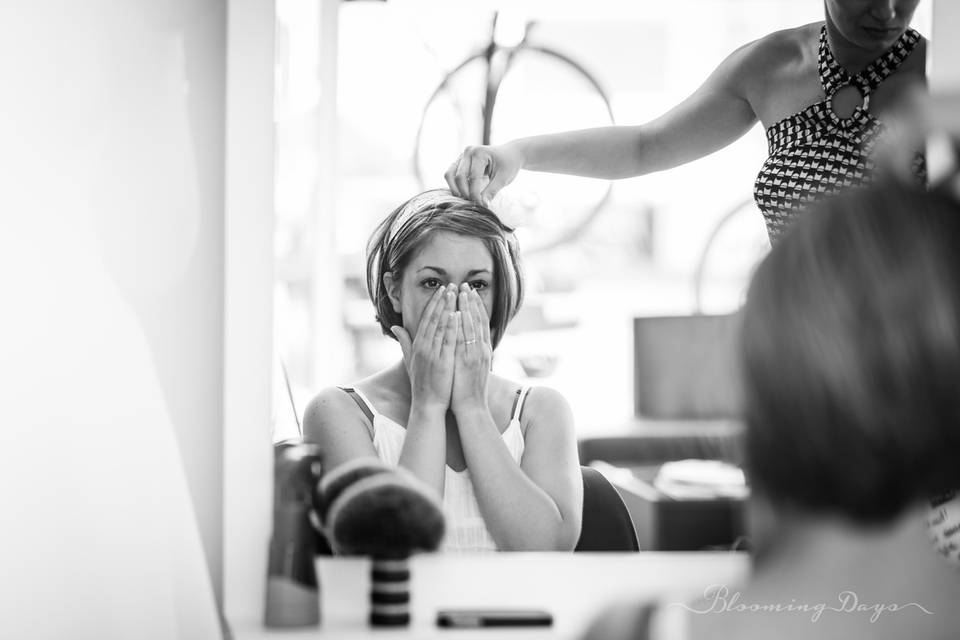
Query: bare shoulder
{"x": 336, "y": 423}
{"x": 546, "y": 406}
{"x": 542, "y": 404}
{"x": 768, "y": 64}
{"x": 778, "y": 72}
{"x": 330, "y": 404}
{"x": 546, "y": 399}
{"x": 792, "y": 41}
{"x": 783, "y": 50}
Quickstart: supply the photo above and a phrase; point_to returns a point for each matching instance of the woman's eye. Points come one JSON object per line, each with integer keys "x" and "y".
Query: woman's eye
{"x": 479, "y": 285}
{"x": 432, "y": 283}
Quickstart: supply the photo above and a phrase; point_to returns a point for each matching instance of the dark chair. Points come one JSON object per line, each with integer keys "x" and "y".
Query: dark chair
{"x": 606, "y": 522}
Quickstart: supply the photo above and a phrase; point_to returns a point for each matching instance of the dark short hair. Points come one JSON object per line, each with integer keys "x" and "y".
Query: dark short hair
{"x": 850, "y": 352}
{"x": 401, "y": 234}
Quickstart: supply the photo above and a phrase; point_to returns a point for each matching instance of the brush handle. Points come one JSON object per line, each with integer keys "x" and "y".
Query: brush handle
{"x": 389, "y": 592}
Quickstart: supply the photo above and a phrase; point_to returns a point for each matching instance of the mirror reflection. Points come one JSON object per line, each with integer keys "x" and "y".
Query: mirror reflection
{"x": 626, "y": 338}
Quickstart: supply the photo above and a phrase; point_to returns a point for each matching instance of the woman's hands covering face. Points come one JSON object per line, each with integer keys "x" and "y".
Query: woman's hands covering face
{"x": 473, "y": 353}
{"x": 448, "y": 360}
{"x": 429, "y": 356}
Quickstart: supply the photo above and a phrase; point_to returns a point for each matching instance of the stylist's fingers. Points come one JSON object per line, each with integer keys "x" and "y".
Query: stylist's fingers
{"x": 496, "y": 181}
{"x": 462, "y": 174}
{"x": 450, "y": 175}
{"x": 492, "y": 187}
{"x": 477, "y": 173}
{"x": 502, "y": 166}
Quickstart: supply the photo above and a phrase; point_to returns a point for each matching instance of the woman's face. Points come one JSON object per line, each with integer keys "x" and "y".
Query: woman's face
{"x": 444, "y": 258}
{"x": 873, "y": 25}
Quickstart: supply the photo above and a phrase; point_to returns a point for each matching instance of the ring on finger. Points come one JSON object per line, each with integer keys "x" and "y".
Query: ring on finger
{"x": 469, "y": 341}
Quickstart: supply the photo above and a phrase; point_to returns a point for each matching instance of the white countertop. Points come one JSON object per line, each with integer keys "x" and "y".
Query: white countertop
{"x": 573, "y": 587}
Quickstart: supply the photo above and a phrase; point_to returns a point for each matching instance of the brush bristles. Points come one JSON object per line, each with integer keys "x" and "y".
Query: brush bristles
{"x": 385, "y": 515}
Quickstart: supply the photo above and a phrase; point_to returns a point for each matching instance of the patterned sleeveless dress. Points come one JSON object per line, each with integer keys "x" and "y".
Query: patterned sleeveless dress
{"x": 816, "y": 153}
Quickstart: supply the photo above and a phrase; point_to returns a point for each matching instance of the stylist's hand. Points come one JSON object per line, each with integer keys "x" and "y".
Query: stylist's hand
{"x": 429, "y": 356}
{"x": 473, "y": 355}
{"x": 480, "y": 172}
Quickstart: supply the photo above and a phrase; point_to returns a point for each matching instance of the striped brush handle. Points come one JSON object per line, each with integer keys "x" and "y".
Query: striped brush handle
{"x": 389, "y": 592}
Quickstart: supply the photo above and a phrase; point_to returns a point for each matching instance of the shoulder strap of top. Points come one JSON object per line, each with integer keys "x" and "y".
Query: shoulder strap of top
{"x": 365, "y": 406}
{"x": 833, "y": 76}
{"x": 881, "y": 68}
{"x": 518, "y": 403}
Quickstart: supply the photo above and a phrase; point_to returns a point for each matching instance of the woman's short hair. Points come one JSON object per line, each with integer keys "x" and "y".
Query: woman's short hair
{"x": 850, "y": 350}
{"x": 399, "y": 237}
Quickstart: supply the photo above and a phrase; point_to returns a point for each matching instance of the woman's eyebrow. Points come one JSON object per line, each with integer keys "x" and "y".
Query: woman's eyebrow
{"x": 443, "y": 272}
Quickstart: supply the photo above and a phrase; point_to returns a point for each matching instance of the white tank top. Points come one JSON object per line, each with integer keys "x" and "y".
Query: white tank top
{"x": 466, "y": 530}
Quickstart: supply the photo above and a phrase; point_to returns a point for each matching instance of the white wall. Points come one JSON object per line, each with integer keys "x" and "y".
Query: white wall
{"x": 248, "y": 451}
{"x": 113, "y": 119}
{"x": 942, "y": 68}
{"x": 943, "y": 74}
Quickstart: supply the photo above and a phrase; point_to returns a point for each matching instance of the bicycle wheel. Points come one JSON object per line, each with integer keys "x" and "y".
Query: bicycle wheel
{"x": 736, "y": 245}
{"x": 542, "y": 91}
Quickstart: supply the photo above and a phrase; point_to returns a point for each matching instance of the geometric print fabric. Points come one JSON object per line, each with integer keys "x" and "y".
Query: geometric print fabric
{"x": 815, "y": 153}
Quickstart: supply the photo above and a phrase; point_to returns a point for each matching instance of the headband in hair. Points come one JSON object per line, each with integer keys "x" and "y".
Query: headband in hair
{"x": 424, "y": 201}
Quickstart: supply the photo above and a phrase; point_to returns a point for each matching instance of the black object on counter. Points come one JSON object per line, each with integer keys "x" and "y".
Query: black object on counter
{"x": 293, "y": 592}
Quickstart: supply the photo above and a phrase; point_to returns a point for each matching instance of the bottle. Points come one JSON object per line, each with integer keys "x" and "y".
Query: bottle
{"x": 293, "y": 591}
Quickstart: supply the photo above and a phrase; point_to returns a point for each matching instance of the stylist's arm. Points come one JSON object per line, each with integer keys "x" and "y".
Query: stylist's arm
{"x": 715, "y": 115}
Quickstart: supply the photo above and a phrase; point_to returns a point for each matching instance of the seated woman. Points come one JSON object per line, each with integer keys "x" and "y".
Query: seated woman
{"x": 850, "y": 347}
{"x": 444, "y": 276}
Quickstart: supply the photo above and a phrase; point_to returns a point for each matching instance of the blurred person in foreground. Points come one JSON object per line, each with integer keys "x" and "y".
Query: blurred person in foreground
{"x": 824, "y": 92}
{"x": 850, "y": 349}
{"x": 444, "y": 277}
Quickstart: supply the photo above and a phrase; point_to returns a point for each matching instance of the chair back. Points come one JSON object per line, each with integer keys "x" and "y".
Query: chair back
{"x": 607, "y": 525}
